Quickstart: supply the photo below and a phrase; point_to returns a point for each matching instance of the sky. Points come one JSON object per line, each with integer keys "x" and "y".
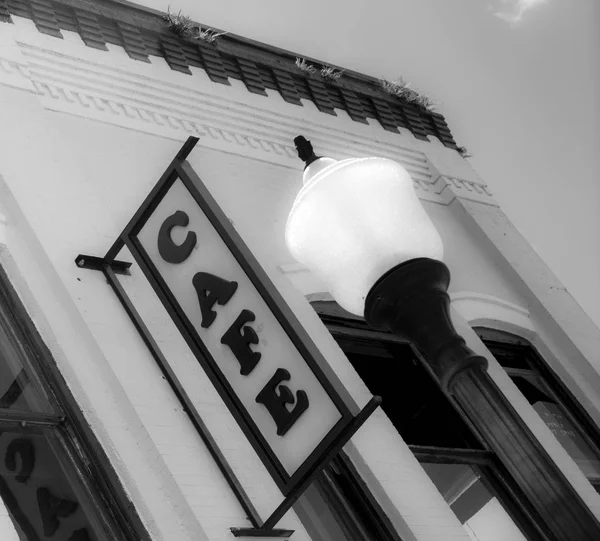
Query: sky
{"x": 517, "y": 80}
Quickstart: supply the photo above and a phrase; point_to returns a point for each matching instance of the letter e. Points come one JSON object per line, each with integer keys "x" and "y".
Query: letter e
{"x": 239, "y": 337}
{"x": 276, "y": 402}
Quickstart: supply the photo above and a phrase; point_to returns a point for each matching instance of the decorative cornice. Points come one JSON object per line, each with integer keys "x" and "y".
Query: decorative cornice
{"x": 93, "y": 86}
{"x": 71, "y": 78}
{"x": 143, "y": 33}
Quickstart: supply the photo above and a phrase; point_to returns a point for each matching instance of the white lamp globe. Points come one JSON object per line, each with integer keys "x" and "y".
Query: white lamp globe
{"x": 353, "y": 221}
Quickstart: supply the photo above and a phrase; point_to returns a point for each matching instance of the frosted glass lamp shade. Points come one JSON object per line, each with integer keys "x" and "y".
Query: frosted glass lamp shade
{"x": 353, "y": 221}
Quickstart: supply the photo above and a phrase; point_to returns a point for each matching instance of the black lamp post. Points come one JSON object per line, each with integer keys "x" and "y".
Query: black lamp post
{"x": 359, "y": 226}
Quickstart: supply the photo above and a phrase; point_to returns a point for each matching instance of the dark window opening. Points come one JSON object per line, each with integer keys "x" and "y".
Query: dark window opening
{"x": 420, "y": 411}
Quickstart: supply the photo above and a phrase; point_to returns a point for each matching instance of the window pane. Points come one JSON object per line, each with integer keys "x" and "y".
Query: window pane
{"x": 479, "y": 511}
{"x": 19, "y": 390}
{"x": 336, "y": 507}
{"x": 42, "y": 501}
{"x": 318, "y": 517}
{"x": 566, "y": 431}
{"x": 510, "y": 357}
{"x": 559, "y": 410}
{"x": 570, "y": 438}
{"x": 413, "y": 401}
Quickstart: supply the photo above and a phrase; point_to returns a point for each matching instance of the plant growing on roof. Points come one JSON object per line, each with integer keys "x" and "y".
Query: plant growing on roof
{"x": 304, "y": 66}
{"x": 184, "y": 27}
{"x": 401, "y": 89}
{"x": 209, "y": 35}
{"x": 180, "y": 24}
{"x": 331, "y": 74}
{"x": 464, "y": 152}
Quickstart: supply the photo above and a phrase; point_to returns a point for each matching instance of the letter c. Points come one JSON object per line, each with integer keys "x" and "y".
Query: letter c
{"x": 168, "y": 250}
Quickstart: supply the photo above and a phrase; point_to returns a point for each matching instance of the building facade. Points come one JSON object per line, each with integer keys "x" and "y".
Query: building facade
{"x": 107, "y": 435}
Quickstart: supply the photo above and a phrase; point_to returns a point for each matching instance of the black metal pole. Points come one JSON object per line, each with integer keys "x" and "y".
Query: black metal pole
{"x": 411, "y": 301}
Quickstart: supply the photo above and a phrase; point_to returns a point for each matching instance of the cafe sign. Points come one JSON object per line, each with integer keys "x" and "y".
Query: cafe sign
{"x": 228, "y": 311}
{"x": 256, "y": 353}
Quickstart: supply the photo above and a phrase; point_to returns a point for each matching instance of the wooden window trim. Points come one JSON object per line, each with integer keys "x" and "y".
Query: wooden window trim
{"x": 369, "y": 503}
{"x": 452, "y": 456}
{"x": 351, "y": 503}
{"x": 570, "y": 406}
{"x": 92, "y": 467}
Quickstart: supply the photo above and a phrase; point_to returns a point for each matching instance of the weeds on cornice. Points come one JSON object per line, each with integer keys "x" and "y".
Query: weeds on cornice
{"x": 180, "y": 24}
{"x": 209, "y": 35}
{"x": 331, "y": 74}
{"x": 184, "y": 27}
{"x": 304, "y": 66}
{"x": 401, "y": 89}
{"x": 464, "y": 152}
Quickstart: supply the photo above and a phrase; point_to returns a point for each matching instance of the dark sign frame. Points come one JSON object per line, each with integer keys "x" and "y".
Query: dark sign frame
{"x": 351, "y": 419}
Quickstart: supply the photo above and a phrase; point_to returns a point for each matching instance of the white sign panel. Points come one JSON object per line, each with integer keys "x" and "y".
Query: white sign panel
{"x": 239, "y": 328}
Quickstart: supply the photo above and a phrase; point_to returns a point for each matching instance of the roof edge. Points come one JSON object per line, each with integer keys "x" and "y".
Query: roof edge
{"x": 144, "y": 32}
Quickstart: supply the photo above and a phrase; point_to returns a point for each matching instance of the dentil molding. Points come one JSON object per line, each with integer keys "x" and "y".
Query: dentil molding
{"x": 450, "y": 188}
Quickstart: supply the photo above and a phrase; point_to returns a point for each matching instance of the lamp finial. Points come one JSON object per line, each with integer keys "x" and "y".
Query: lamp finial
{"x": 305, "y": 150}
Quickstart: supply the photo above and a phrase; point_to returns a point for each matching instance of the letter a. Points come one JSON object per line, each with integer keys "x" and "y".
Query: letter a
{"x": 211, "y": 289}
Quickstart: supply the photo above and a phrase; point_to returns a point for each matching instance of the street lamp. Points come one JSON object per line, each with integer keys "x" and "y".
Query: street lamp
{"x": 359, "y": 226}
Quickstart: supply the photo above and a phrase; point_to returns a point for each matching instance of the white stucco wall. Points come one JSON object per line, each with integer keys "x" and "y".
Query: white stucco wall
{"x": 90, "y": 133}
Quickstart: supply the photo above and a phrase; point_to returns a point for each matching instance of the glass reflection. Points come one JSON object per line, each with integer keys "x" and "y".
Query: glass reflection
{"x": 478, "y": 510}
{"x": 554, "y": 416}
{"x": 18, "y": 390}
{"x": 41, "y": 501}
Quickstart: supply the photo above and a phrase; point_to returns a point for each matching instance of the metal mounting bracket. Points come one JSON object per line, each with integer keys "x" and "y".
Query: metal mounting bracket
{"x": 92, "y": 262}
{"x": 259, "y": 532}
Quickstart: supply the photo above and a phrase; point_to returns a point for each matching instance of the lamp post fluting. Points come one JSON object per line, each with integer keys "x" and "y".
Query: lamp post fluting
{"x": 359, "y": 226}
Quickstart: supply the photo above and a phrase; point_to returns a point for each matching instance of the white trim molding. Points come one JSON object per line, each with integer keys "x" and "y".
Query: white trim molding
{"x": 489, "y": 311}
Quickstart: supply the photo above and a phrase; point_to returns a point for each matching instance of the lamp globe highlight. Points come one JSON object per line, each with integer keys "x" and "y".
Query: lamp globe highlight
{"x": 354, "y": 220}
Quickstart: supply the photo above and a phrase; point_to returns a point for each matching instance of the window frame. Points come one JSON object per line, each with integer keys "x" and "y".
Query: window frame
{"x": 569, "y": 404}
{"x": 345, "y": 326}
{"x": 90, "y": 466}
{"x": 353, "y": 507}
{"x": 494, "y": 477}
{"x": 345, "y": 512}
